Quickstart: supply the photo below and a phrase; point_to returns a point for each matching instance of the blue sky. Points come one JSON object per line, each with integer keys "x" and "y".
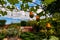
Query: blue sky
{"x": 36, "y": 1}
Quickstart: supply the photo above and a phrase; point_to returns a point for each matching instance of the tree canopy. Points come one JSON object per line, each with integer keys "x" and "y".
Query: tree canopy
{"x": 24, "y": 6}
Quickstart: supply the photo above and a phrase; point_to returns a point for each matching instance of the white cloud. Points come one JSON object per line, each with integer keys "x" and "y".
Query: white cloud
{"x": 3, "y": 9}
{"x": 42, "y": 17}
{"x": 20, "y": 14}
{"x": 39, "y": 10}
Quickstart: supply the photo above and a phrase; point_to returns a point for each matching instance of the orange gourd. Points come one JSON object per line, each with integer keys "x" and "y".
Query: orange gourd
{"x": 31, "y": 14}
{"x": 48, "y": 25}
{"x": 37, "y": 18}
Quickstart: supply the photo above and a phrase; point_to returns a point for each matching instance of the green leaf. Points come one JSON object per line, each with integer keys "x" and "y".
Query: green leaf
{"x": 37, "y": 7}
{"x": 13, "y": 2}
{"x": 22, "y": 6}
{"x": 2, "y": 2}
{"x": 3, "y": 13}
{"x": 26, "y": 1}
{"x": 11, "y": 8}
{"x": 32, "y": 9}
{"x": 27, "y": 6}
{"x": 54, "y": 38}
{"x": 48, "y": 1}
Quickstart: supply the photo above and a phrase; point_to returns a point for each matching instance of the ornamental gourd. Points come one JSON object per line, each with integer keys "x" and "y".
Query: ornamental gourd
{"x": 48, "y": 25}
{"x": 37, "y": 18}
{"x": 31, "y": 14}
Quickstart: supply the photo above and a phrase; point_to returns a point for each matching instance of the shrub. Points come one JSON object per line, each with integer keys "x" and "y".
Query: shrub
{"x": 2, "y": 22}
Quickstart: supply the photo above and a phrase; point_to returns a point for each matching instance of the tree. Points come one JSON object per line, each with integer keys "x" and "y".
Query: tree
{"x": 23, "y": 23}
{"x": 13, "y": 2}
{"x": 2, "y": 2}
{"x": 3, "y": 13}
{"x": 31, "y": 23}
{"x": 2, "y": 23}
{"x": 54, "y": 6}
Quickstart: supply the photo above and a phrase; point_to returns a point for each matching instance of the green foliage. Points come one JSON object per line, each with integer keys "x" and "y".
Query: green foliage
{"x": 15, "y": 24}
{"x": 2, "y": 36}
{"x": 57, "y": 29}
{"x": 13, "y": 2}
{"x": 30, "y": 36}
{"x": 23, "y": 23}
{"x": 56, "y": 16}
{"x": 13, "y": 31}
{"x": 54, "y": 7}
{"x": 3, "y": 13}
{"x": 24, "y": 6}
{"x": 26, "y": 1}
{"x": 30, "y": 23}
{"x": 2, "y": 2}
{"x": 54, "y": 38}
{"x": 47, "y": 2}
{"x": 11, "y": 8}
{"x": 2, "y": 22}
{"x": 36, "y": 27}
{"x": 32, "y": 8}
